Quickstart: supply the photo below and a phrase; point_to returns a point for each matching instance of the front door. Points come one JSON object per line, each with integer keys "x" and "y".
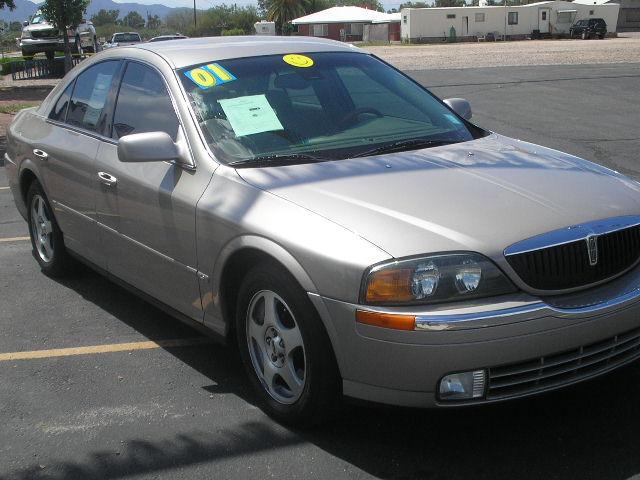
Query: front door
{"x": 465, "y": 26}
{"x": 146, "y": 211}
{"x": 543, "y": 20}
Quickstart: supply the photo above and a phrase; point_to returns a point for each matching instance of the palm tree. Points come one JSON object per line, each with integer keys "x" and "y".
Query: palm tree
{"x": 283, "y": 11}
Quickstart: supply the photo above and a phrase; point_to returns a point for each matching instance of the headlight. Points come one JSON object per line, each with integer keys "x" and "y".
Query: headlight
{"x": 434, "y": 279}
{"x": 26, "y": 34}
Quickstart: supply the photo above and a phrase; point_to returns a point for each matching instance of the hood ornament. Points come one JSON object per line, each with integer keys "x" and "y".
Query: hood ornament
{"x": 592, "y": 249}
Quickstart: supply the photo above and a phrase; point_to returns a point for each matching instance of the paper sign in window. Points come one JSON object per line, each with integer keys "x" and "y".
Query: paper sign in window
{"x": 250, "y": 115}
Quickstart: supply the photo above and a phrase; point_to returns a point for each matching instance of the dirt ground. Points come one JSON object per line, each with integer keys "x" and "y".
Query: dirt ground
{"x": 624, "y": 49}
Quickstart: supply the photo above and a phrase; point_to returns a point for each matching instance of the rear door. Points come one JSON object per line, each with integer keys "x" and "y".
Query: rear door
{"x": 69, "y": 146}
{"x": 147, "y": 210}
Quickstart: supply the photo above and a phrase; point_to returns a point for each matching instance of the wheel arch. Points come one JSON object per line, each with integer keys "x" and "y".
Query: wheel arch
{"x": 235, "y": 261}
{"x": 26, "y": 177}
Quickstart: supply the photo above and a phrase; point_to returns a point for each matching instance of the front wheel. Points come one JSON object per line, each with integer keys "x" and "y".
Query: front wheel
{"x": 46, "y": 237}
{"x": 285, "y": 348}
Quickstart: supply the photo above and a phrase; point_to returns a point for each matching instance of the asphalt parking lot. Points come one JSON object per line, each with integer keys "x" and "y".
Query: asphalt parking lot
{"x": 172, "y": 405}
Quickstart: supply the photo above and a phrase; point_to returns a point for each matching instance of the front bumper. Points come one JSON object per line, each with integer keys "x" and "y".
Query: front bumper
{"x": 511, "y": 333}
{"x": 37, "y": 45}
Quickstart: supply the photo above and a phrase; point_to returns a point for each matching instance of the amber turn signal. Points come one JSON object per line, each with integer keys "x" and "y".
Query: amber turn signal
{"x": 386, "y": 320}
{"x": 393, "y": 285}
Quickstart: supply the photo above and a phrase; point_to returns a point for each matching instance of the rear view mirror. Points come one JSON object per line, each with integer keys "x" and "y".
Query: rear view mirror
{"x": 147, "y": 147}
{"x": 461, "y": 106}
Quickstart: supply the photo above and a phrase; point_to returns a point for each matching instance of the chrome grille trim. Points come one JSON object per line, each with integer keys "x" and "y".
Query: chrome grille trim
{"x": 588, "y": 254}
{"x": 572, "y": 234}
{"x": 554, "y": 370}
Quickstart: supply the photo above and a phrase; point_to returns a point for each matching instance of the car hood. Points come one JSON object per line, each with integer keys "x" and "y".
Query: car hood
{"x": 482, "y": 195}
{"x": 39, "y": 26}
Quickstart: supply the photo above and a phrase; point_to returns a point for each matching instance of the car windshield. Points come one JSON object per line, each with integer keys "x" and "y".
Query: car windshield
{"x": 316, "y": 106}
{"x": 126, "y": 37}
{"x": 38, "y": 18}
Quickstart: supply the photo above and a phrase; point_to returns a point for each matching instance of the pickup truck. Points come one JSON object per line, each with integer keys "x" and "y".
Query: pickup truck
{"x": 40, "y": 36}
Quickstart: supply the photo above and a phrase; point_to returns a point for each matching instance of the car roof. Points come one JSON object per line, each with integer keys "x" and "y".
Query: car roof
{"x": 191, "y": 51}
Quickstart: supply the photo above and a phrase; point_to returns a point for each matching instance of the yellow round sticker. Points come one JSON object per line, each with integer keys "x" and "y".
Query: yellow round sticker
{"x": 300, "y": 61}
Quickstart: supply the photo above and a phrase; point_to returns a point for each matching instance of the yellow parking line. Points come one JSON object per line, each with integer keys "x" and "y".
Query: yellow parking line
{"x": 108, "y": 348}
{"x": 14, "y": 239}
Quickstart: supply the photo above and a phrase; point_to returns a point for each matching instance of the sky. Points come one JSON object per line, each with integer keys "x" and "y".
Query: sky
{"x": 204, "y": 4}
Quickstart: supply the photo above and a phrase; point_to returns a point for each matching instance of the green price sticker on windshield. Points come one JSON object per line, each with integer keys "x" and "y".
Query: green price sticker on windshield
{"x": 210, "y": 75}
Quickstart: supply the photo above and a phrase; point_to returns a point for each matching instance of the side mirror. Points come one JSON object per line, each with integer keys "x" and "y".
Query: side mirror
{"x": 148, "y": 147}
{"x": 461, "y": 106}
{"x": 25, "y": 23}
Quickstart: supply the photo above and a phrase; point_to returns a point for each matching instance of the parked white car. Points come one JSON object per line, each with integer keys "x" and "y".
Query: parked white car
{"x": 123, "y": 39}
{"x": 40, "y": 36}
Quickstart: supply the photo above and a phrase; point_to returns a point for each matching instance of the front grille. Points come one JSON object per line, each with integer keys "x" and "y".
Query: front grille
{"x": 567, "y": 266}
{"x": 555, "y": 370}
{"x": 44, "y": 33}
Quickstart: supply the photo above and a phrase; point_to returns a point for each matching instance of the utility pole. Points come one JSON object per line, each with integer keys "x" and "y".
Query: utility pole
{"x": 195, "y": 23}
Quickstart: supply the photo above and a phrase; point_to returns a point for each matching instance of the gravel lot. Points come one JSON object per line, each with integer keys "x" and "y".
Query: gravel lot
{"x": 625, "y": 49}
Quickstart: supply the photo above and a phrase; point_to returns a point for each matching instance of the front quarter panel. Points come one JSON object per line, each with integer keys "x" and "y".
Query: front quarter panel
{"x": 325, "y": 258}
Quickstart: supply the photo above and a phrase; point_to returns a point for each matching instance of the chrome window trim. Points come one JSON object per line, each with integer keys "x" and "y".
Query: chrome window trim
{"x": 572, "y": 234}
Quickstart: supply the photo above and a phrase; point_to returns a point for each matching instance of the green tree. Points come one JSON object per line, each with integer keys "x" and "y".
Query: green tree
{"x": 283, "y": 11}
{"x": 414, "y": 5}
{"x": 105, "y": 17}
{"x": 370, "y": 4}
{"x": 15, "y": 27}
{"x": 153, "y": 22}
{"x": 7, "y": 3}
{"x": 179, "y": 20}
{"x": 63, "y": 14}
{"x": 133, "y": 19}
{"x": 449, "y": 3}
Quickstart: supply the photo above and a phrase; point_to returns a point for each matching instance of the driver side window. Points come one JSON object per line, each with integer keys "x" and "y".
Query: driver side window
{"x": 143, "y": 104}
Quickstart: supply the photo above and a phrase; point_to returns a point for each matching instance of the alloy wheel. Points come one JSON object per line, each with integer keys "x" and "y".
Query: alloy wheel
{"x": 42, "y": 229}
{"x": 276, "y": 347}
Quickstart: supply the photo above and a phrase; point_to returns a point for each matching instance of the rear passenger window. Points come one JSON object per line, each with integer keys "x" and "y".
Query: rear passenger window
{"x": 143, "y": 104}
{"x": 90, "y": 96}
{"x": 59, "y": 111}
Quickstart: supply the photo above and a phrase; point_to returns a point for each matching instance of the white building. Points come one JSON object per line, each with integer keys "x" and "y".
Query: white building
{"x": 629, "y": 17}
{"x": 545, "y": 18}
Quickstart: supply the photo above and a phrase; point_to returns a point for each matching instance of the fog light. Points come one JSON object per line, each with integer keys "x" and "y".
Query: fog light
{"x": 463, "y": 386}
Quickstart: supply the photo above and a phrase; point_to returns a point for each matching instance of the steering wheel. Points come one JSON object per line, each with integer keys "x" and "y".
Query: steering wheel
{"x": 354, "y": 114}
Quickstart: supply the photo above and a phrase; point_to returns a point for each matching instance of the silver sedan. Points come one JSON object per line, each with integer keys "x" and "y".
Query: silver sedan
{"x": 352, "y": 233}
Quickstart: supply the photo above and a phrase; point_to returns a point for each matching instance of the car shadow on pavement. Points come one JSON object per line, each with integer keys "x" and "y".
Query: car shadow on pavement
{"x": 588, "y": 431}
{"x": 152, "y": 457}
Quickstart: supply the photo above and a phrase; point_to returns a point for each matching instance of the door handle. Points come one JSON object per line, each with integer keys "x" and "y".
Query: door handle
{"x": 107, "y": 179}
{"x": 40, "y": 153}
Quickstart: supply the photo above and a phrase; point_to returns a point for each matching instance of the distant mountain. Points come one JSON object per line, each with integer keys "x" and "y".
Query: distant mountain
{"x": 25, "y": 8}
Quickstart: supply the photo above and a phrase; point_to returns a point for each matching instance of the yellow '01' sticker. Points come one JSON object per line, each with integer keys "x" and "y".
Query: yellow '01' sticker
{"x": 296, "y": 60}
{"x": 210, "y": 75}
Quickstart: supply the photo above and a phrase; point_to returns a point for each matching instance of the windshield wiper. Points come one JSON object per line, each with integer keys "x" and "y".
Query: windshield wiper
{"x": 402, "y": 145}
{"x": 278, "y": 159}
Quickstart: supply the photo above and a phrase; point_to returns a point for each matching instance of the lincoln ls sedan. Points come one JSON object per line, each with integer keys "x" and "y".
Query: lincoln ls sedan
{"x": 354, "y": 235}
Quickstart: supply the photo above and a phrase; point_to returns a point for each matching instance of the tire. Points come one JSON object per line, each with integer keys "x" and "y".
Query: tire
{"x": 50, "y": 56}
{"x": 585, "y": 35}
{"x": 47, "y": 241}
{"x": 299, "y": 386}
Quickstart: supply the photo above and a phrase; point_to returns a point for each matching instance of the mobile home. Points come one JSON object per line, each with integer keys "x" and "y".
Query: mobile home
{"x": 469, "y": 23}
